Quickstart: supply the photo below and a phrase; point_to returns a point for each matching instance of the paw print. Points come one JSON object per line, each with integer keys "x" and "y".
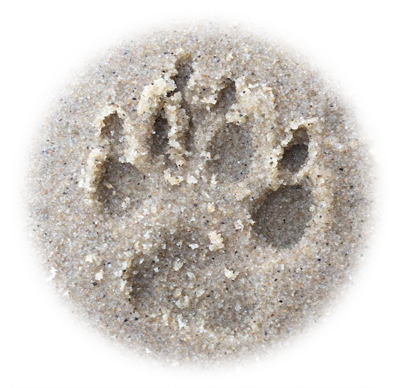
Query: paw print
{"x": 205, "y": 174}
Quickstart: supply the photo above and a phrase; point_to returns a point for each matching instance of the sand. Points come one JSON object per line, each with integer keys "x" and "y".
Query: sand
{"x": 200, "y": 195}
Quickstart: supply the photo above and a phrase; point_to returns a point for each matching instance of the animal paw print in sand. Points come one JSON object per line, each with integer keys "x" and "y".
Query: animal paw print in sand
{"x": 204, "y": 175}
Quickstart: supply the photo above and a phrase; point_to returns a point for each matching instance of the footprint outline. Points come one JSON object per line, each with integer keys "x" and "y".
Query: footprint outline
{"x": 171, "y": 103}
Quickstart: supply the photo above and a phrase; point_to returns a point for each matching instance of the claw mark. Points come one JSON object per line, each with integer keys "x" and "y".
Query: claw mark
{"x": 231, "y": 147}
{"x": 296, "y": 152}
{"x": 226, "y": 98}
{"x": 162, "y": 114}
{"x": 283, "y": 213}
{"x": 184, "y": 71}
{"x": 159, "y": 142}
{"x": 109, "y": 182}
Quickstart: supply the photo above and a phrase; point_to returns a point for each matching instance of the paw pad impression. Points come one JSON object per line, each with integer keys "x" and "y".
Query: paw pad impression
{"x": 205, "y": 200}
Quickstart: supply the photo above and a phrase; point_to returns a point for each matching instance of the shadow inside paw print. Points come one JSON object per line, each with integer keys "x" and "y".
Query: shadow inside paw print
{"x": 159, "y": 142}
{"x": 159, "y": 279}
{"x": 231, "y": 148}
{"x": 172, "y": 285}
{"x": 296, "y": 152}
{"x": 232, "y": 151}
{"x": 121, "y": 185}
{"x": 226, "y": 98}
{"x": 281, "y": 216}
{"x": 176, "y": 139}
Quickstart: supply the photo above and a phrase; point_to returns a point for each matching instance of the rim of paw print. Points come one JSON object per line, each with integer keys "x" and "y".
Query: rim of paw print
{"x": 203, "y": 180}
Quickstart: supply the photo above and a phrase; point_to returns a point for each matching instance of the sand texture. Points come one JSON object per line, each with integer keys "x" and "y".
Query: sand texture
{"x": 199, "y": 194}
